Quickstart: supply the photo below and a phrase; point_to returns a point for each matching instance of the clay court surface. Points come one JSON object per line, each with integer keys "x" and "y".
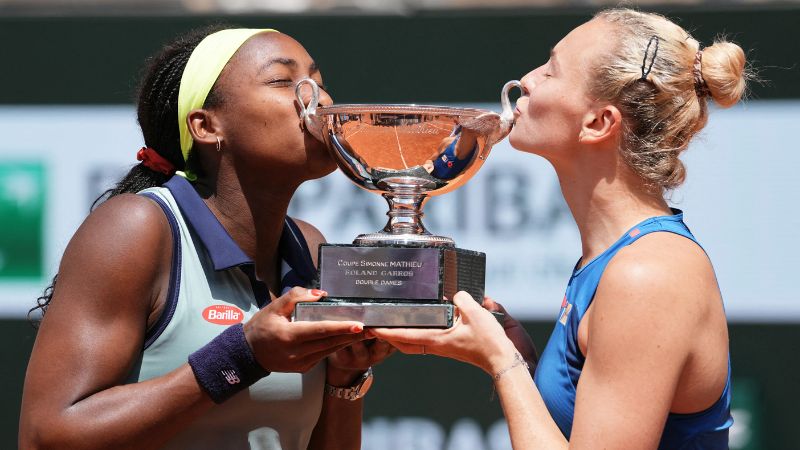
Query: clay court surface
{"x": 401, "y": 146}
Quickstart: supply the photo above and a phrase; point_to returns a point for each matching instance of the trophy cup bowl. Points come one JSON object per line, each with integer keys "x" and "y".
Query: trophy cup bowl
{"x": 399, "y": 275}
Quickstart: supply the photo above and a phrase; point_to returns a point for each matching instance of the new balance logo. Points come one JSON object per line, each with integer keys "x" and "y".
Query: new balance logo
{"x": 231, "y": 377}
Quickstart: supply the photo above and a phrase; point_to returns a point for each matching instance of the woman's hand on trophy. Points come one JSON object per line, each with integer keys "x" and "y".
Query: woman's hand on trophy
{"x": 476, "y": 337}
{"x": 280, "y": 345}
{"x": 515, "y": 332}
{"x": 349, "y": 363}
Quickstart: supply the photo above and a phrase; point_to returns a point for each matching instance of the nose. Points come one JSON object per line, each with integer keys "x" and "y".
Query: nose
{"x": 528, "y": 83}
{"x": 325, "y": 98}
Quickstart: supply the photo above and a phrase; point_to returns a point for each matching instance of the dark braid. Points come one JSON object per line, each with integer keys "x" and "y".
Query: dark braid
{"x": 157, "y": 113}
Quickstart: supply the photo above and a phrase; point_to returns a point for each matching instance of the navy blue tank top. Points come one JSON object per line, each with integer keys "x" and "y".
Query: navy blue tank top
{"x": 561, "y": 363}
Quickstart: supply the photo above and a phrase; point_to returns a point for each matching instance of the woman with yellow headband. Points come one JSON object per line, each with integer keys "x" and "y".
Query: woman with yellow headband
{"x": 169, "y": 324}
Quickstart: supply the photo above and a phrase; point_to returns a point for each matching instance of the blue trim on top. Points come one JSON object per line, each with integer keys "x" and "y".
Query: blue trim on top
{"x": 291, "y": 241}
{"x": 226, "y": 254}
{"x": 221, "y": 247}
{"x": 174, "y": 276}
{"x": 677, "y": 216}
{"x": 260, "y": 289}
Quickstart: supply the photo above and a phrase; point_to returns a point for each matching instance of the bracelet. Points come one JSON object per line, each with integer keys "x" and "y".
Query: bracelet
{"x": 226, "y": 365}
{"x": 518, "y": 361}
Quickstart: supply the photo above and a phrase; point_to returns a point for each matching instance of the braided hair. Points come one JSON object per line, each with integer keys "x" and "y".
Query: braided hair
{"x": 157, "y": 113}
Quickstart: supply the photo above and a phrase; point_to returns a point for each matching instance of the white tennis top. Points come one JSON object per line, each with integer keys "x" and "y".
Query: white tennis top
{"x": 212, "y": 286}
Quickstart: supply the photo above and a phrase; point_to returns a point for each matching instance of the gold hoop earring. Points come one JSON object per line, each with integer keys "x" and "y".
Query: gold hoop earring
{"x": 219, "y": 144}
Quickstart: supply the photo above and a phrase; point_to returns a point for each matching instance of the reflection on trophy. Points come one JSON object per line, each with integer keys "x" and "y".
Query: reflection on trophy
{"x": 401, "y": 275}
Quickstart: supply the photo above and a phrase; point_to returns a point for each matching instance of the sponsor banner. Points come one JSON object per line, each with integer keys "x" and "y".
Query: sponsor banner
{"x": 425, "y": 433}
{"x": 741, "y": 176}
{"x": 22, "y": 189}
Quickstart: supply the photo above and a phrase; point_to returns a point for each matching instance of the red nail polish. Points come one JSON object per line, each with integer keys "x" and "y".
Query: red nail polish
{"x": 318, "y": 293}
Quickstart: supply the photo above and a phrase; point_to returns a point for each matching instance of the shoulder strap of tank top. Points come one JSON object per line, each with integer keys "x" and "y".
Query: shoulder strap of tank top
{"x": 174, "y": 276}
{"x": 671, "y": 224}
{"x": 590, "y": 274}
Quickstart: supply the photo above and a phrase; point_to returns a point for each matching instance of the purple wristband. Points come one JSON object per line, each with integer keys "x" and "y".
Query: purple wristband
{"x": 226, "y": 365}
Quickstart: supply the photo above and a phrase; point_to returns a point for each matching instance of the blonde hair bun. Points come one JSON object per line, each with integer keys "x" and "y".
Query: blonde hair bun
{"x": 723, "y": 70}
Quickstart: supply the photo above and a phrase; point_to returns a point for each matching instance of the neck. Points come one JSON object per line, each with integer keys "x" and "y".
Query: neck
{"x": 606, "y": 199}
{"x": 253, "y": 213}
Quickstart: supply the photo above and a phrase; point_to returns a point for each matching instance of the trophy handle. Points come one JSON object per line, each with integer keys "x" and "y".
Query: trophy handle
{"x": 309, "y": 112}
{"x": 495, "y": 126}
{"x": 507, "y": 115}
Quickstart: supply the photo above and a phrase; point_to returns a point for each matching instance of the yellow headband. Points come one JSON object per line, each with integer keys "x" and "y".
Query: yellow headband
{"x": 201, "y": 72}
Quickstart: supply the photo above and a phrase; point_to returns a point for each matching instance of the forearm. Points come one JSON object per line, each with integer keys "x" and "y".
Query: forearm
{"x": 140, "y": 415}
{"x": 339, "y": 424}
{"x": 529, "y": 422}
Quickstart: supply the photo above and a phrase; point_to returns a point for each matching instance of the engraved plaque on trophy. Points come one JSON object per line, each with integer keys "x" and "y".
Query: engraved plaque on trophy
{"x": 401, "y": 276}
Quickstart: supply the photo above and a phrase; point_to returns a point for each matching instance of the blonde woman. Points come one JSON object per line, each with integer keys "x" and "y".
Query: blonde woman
{"x": 639, "y": 354}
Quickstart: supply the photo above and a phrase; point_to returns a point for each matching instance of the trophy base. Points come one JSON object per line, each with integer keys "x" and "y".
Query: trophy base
{"x": 407, "y": 315}
{"x": 394, "y": 286}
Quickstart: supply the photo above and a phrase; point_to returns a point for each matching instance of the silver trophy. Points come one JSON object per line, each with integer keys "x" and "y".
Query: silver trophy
{"x": 401, "y": 275}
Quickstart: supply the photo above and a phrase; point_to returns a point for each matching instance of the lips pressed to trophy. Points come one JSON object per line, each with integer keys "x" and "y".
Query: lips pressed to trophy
{"x": 402, "y": 275}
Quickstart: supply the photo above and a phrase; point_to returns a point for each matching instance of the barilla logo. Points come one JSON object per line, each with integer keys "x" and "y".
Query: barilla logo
{"x": 223, "y": 314}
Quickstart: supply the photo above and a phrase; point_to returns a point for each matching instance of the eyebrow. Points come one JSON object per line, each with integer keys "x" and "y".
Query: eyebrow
{"x": 289, "y": 62}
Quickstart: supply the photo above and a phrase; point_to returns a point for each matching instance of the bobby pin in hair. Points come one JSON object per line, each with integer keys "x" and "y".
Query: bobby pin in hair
{"x": 652, "y": 60}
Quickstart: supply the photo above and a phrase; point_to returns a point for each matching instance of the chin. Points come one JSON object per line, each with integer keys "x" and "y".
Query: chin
{"x": 319, "y": 165}
{"x": 318, "y": 158}
{"x": 328, "y": 169}
{"x": 518, "y": 141}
